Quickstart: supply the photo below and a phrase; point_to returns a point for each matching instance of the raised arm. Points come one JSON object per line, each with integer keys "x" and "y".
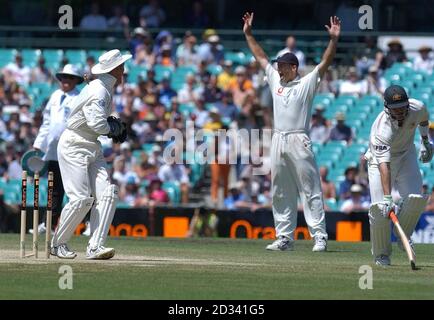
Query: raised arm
{"x": 334, "y": 30}
{"x": 254, "y": 46}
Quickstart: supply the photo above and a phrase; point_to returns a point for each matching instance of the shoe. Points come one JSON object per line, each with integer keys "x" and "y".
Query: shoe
{"x": 41, "y": 228}
{"x": 400, "y": 246}
{"x": 281, "y": 244}
{"x": 320, "y": 244}
{"x": 87, "y": 231}
{"x": 99, "y": 253}
{"x": 62, "y": 251}
{"x": 382, "y": 260}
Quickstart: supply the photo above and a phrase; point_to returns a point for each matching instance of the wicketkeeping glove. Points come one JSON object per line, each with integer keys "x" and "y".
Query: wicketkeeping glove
{"x": 118, "y": 129}
{"x": 426, "y": 151}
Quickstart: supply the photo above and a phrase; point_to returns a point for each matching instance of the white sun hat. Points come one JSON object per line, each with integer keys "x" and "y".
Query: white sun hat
{"x": 109, "y": 60}
{"x": 71, "y": 70}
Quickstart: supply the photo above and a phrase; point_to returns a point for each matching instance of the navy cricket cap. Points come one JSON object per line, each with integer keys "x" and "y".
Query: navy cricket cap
{"x": 288, "y": 57}
{"x": 395, "y": 97}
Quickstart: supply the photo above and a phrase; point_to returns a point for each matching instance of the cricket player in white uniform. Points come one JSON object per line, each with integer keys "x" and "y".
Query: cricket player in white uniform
{"x": 293, "y": 167}
{"x": 55, "y": 115}
{"x": 82, "y": 163}
{"x": 392, "y": 164}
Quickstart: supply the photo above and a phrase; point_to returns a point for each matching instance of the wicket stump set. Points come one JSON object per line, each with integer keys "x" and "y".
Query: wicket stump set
{"x": 35, "y": 215}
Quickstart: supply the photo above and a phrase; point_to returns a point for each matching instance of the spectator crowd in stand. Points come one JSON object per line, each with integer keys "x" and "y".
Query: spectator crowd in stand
{"x": 236, "y": 96}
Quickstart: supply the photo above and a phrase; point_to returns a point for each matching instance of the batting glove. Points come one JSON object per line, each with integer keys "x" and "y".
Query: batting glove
{"x": 426, "y": 151}
{"x": 387, "y": 205}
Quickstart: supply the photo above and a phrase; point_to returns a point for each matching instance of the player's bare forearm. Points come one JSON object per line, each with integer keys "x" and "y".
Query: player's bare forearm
{"x": 257, "y": 51}
{"x": 254, "y": 46}
{"x": 423, "y": 129}
{"x": 385, "y": 178}
{"x": 334, "y": 31}
{"x": 328, "y": 56}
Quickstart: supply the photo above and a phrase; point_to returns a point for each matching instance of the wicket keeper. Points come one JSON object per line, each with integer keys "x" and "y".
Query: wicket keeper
{"x": 81, "y": 160}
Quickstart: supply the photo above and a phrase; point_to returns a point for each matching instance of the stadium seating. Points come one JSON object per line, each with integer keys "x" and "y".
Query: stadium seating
{"x": 77, "y": 57}
{"x": 6, "y": 56}
{"x": 337, "y": 156}
{"x": 179, "y": 75}
{"x": 52, "y": 58}
{"x": 30, "y": 56}
{"x": 95, "y": 53}
{"x": 238, "y": 58}
{"x": 162, "y": 72}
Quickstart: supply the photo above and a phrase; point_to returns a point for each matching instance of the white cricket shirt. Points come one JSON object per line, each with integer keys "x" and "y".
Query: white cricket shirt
{"x": 387, "y": 140}
{"x": 91, "y": 108}
{"x": 292, "y": 101}
{"x": 55, "y": 115}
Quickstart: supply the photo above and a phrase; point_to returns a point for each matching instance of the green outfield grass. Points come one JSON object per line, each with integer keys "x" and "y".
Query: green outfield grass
{"x": 160, "y": 268}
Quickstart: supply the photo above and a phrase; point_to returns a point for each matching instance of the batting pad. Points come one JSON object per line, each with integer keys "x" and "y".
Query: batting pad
{"x": 380, "y": 232}
{"x": 94, "y": 219}
{"x": 409, "y": 212}
{"x": 71, "y": 216}
{"x": 105, "y": 210}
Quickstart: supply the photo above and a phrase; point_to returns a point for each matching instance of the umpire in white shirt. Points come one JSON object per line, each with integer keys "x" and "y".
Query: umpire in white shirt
{"x": 81, "y": 160}
{"x": 55, "y": 115}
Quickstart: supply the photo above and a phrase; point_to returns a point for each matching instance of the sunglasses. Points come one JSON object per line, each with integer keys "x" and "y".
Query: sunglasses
{"x": 67, "y": 77}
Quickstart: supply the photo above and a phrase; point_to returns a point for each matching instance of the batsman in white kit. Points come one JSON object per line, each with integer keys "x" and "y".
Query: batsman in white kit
{"x": 293, "y": 168}
{"x": 82, "y": 164}
{"x": 392, "y": 165}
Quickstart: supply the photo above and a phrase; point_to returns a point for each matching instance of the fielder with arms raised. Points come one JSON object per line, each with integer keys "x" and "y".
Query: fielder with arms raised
{"x": 81, "y": 160}
{"x": 293, "y": 166}
{"x": 392, "y": 163}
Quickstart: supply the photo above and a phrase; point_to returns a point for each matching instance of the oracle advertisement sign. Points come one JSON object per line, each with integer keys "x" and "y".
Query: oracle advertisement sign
{"x": 176, "y": 222}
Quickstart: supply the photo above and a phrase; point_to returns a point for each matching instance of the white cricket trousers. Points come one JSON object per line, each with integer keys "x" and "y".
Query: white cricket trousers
{"x": 405, "y": 176}
{"x": 293, "y": 172}
{"x": 85, "y": 179}
{"x": 405, "y": 179}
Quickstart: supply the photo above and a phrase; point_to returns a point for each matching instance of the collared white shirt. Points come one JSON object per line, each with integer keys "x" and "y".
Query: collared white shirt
{"x": 292, "y": 101}
{"x": 173, "y": 173}
{"x": 93, "y": 106}
{"x": 424, "y": 65}
{"x": 54, "y": 122}
{"x": 348, "y": 87}
{"x": 20, "y": 74}
{"x": 388, "y": 141}
{"x": 319, "y": 133}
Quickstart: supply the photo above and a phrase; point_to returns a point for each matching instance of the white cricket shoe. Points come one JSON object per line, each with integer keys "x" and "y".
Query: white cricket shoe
{"x": 41, "y": 228}
{"x": 320, "y": 244}
{"x": 62, "y": 251}
{"x": 281, "y": 244}
{"x": 99, "y": 253}
{"x": 382, "y": 260}
{"x": 87, "y": 231}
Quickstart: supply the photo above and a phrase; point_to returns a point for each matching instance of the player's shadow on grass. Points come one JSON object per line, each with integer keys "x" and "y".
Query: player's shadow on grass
{"x": 419, "y": 267}
{"x": 145, "y": 260}
{"x": 340, "y": 251}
